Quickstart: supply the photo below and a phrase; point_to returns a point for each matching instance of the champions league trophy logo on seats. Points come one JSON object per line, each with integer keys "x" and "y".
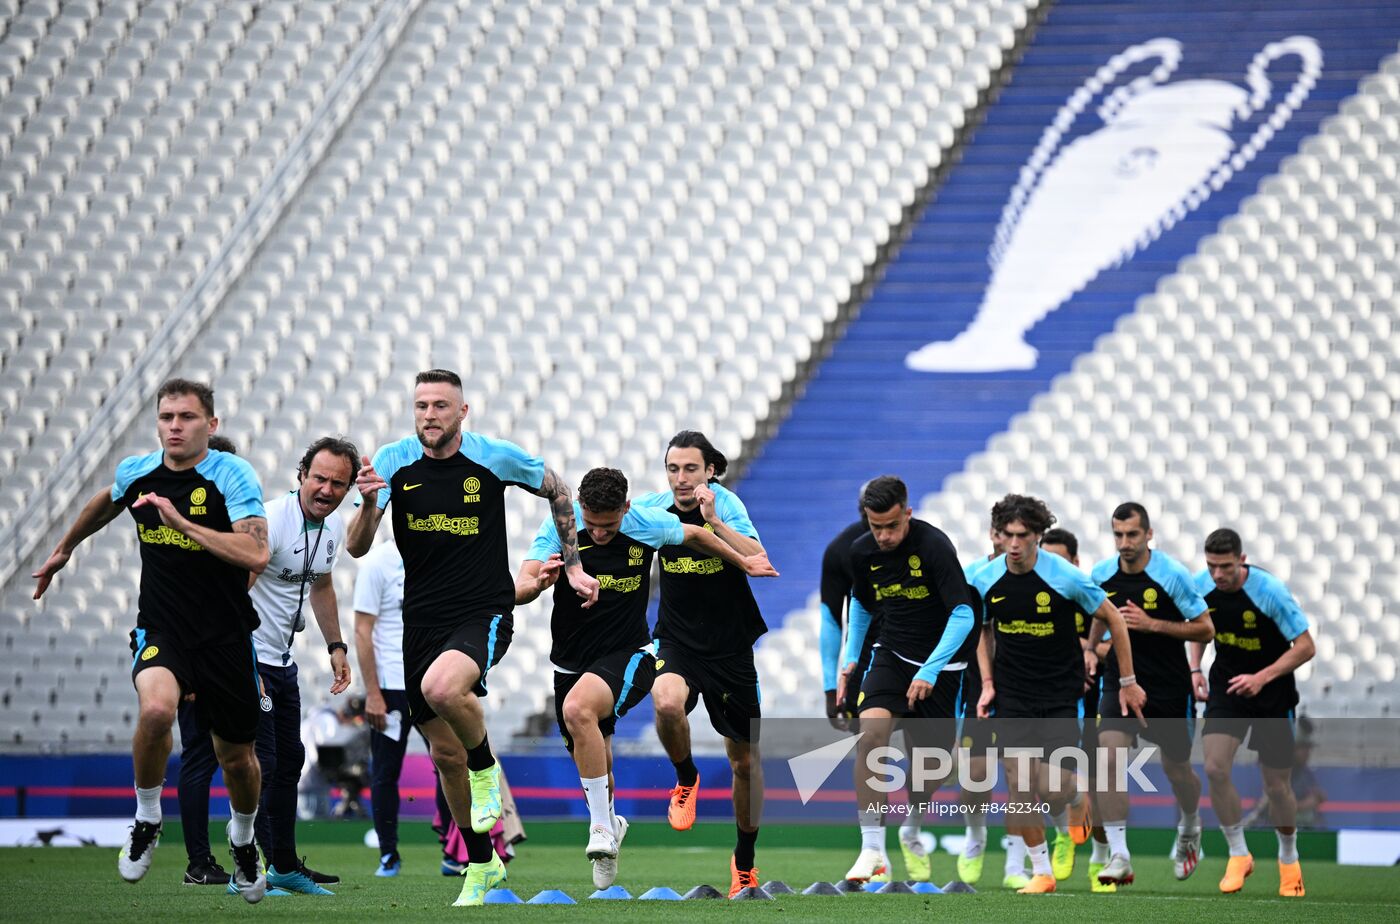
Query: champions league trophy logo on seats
{"x": 1093, "y": 204}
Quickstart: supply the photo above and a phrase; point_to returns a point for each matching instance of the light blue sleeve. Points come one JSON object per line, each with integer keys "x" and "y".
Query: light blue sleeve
{"x": 1278, "y": 604}
{"x": 546, "y": 541}
{"x": 389, "y": 459}
{"x": 1204, "y": 584}
{"x": 1178, "y": 584}
{"x": 829, "y": 642}
{"x": 1069, "y": 582}
{"x": 960, "y": 623}
{"x": 857, "y": 624}
{"x": 1104, "y": 570}
{"x": 237, "y": 482}
{"x": 131, "y": 468}
{"x": 660, "y": 499}
{"x": 732, "y": 512}
{"x": 506, "y": 460}
{"x": 987, "y": 574}
{"x": 650, "y": 526}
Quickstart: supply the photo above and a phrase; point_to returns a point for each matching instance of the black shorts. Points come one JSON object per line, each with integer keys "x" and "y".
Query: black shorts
{"x": 1171, "y": 721}
{"x": 1270, "y": 735}
{"x": 1028, "y": 723}
{"x": 629, "y": 673}
{"x": 483, "y": 638}
{"x": 886, "y": 686}
{"x": 228, "y": 694}
{"x": 1089, "y": 728}
{"x": 729, "y": 684}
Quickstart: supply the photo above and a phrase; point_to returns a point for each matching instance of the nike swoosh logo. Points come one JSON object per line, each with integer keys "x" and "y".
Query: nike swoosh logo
{"x": 876, "y": 567}
{"x": 1111, "y": 593}
{"x": 410, "y": 487}
{"x": 584, "y": 548}
{"x": 998, "y": 599}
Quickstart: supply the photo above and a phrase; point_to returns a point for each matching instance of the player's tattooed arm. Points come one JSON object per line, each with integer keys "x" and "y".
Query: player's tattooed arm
{"x": 555, "y": 489}
{"x": 96, "y": 513}
{"x": 253, "y": 552}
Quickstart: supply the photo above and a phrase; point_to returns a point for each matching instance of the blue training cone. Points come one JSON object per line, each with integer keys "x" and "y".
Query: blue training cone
{"x": 551, "y": 897}
{"x": 612, "y": 893}
{"x": 503, "y": 897}
{"x": 873, "y": 886}
{"x": 925, "y": 888}
{"x": 661, "y": 894}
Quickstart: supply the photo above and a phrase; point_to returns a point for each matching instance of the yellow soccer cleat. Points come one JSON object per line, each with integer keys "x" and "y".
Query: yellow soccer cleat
{"x": 1095, "y": 885}
{"x": 917, "y": 867}
{"x": 970, "y": 869}
{"x": 1062, "y": 856}
{"x": 1236, "y": 872}
{"x": 480, "y": 879}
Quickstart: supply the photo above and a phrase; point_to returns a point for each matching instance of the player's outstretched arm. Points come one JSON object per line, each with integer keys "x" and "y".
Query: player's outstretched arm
{"x": 327, "y": 611}
{"x": 96, "y": 513}
{"x": 359, "y": 537}
{"x": 702, "y": 540}
{"x": 555, "y": 489}
{"x": 1195, "y": 651}
{"x": 744, "y": 545}
{"x": 988, "y": 694}
{"x": 535, "y": 578}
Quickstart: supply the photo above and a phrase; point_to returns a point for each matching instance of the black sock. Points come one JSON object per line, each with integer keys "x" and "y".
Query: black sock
{"x": 479, "y": 757}
{"x": 479, "y": 849}
{"x": 686, "y": 771}
{"x": 743, "y": 850}
{"x": 284, "y": 861}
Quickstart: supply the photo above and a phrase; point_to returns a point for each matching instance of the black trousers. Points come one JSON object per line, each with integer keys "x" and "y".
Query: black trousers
{"x": 197, "y": 765}
{"x": 281, "y": 755}
{"x": 385, "y": 766}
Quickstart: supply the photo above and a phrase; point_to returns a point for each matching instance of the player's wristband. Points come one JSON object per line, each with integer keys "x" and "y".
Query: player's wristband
{"x": 1197, "y": 670}
{"x": 333, "y": 647}
{"x": 1127, "y": 681}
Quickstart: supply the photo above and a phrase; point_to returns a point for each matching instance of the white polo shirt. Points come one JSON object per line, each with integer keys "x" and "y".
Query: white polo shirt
{"x": 379, "y": 592}
{"x": 302, "y": 551}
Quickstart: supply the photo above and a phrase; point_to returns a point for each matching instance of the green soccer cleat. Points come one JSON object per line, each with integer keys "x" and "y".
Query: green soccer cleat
{"x": 970, "y": 869}
{"x": 480, "y": 879}
{"x": 1017, "y": 881}
{"x": 917, "y": 867}
{"x": 486, "y": 798}
{"x": 1094, "y": 884}
{"x": 1062, "y": 857}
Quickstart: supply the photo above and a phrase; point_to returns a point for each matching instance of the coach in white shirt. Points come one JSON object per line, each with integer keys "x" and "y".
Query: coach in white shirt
{"x": 305, "y": 535}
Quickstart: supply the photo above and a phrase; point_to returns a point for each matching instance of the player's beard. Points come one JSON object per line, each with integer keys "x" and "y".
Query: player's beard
{"x": 448, "y": 434}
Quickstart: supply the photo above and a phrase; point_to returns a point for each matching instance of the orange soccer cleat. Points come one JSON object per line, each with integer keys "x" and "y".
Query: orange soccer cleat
{"x": 1081, "y": 821}
{"x": 1237, "y": 871}
{"x": 1039, "y": 885}
{"x": 1290, "y": 880}
{"x": 681, "y": 813}
{"x": 740, "y": 879}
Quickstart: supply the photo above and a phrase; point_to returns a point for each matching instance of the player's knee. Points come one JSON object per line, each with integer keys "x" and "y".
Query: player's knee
{"x": 444, "y": 696}
{"x": 1278, "y": 789}
{"x": 1217, "y": 771}
{"x": 157, "y": 715}
{"x": 669, "y": 708}
{"x": 741, "y": 765}
{"x": 242, "y": 762}
{"x": 578, "y": 716}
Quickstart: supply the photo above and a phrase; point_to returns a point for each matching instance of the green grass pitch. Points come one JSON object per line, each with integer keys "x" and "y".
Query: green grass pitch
{"x": 61, "y": 884}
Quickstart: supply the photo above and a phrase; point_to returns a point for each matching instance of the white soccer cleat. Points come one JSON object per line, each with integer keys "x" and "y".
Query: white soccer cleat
{"x": 139, "y": 850}
{"x": 1187, "y": 854}
{"x": 247, "y": 877}
{"x": 1117, "y": 871}
{"x": 604, "y": 864}
{"x": 868, "y": 865}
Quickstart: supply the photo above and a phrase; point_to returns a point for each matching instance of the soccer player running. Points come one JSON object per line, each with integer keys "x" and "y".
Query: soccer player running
{"x": 906, "y": 572}
{"x": 706, "y": 627}
{"x": 200, "y": 520}
{"x": 1072, "y": 829}
{"x": 1261, "y": 639}
{"x": 1034, "y": 670}
{"x": 448, "y": 490}
{"x": 305, "y": 534}
{"x": 837, "y": 581}
{"x": 1158, "y": 599}
{"x": 604, "y": 658}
